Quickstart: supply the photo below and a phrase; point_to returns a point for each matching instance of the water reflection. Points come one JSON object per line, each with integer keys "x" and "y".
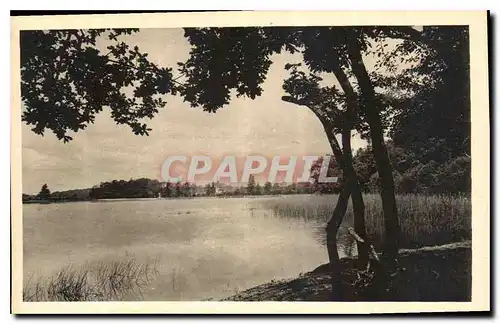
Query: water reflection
{"x": 314, "y": 212}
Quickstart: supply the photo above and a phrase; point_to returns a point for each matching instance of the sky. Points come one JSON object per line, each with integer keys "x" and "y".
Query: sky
{"x": 106, "y": 151}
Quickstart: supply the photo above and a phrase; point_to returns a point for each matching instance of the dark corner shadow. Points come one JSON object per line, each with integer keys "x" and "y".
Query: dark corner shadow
{"x": 491, "y": 85}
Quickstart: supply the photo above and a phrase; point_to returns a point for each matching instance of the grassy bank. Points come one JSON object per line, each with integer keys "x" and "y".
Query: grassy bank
{"x": 425, "y": 220}
{"x": 102, "y": 282}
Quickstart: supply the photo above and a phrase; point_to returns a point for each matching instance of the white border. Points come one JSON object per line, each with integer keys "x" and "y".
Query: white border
{"x": 480, "y": 154}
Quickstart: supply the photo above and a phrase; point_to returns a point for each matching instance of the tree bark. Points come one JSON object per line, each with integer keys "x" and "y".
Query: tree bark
{"x": 348, "y": 169}
{"x": 338, "y": 291}
{"x": 370, "y": 107}
{"x": 357, "y": 199}
{"x": 351, "y": 188}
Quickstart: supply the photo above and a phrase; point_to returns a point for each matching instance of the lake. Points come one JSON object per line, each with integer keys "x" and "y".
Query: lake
{"x": 205, "y": 247}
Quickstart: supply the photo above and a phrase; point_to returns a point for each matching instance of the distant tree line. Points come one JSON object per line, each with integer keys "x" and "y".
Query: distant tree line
{"x": 134, "y": 188}
{"x": 45, "y": 195}
{"x": 148, "y": 188}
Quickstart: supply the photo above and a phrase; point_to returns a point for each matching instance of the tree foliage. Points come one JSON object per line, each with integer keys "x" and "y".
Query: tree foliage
{"x": 66, "y": 81}
{"x": 414, "y": 174}
{"x": 44, "y": 193}
{"x": 333, "y": 171}
{"x": 432, "y": 126}
{"x": 133, "y": 188}
{"x": 434, "y": 118}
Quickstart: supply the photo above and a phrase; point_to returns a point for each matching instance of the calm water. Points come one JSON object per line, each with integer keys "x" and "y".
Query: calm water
{"x": 206, "y": 247}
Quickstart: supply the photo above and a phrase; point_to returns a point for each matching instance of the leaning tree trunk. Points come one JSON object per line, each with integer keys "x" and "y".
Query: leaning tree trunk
{"x": 337, "y": 292}
{"x": 358, "y": 204}
{"x": 350, "y": 188}
{"x": 333, "y": 225}
{"x": 370, "y": 108}
{"x": 348, "y": 169}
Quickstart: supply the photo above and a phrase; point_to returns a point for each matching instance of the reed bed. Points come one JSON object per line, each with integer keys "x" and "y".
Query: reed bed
{"x": 424, "y": 220}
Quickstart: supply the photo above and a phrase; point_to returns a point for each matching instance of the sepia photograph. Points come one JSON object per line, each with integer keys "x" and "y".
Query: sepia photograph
{"x": 303, "y": 162}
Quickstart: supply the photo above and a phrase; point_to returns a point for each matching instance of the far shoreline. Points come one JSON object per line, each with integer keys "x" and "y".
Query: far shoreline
{"x": 40, "y": 202}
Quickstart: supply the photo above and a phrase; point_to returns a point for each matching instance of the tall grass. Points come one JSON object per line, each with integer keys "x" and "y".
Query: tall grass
{"x": 424, "y": 220}
{"x": 103, "y": 282}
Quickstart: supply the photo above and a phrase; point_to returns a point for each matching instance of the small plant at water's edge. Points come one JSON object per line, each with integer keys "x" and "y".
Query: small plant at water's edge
{"x": 105, "y": 281}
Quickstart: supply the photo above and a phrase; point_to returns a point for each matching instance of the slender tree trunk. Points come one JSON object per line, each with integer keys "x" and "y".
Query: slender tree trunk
{"x": 333, "y": 225}
{"x": 358, "y": 204}
{"x": 338, "y": 292}
{"x": 357, "y": 199}
{"x": 370, "y": 108}
{"x": 351, "y": 188}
